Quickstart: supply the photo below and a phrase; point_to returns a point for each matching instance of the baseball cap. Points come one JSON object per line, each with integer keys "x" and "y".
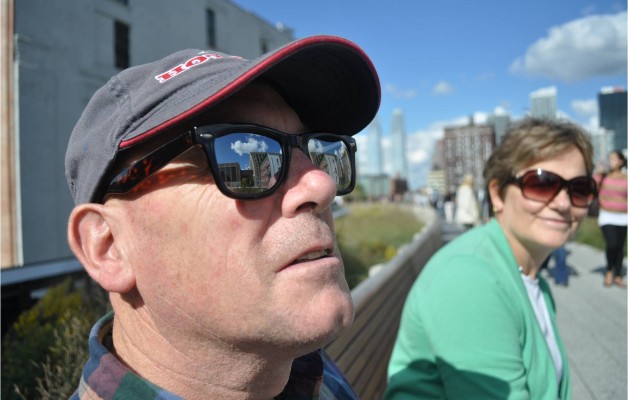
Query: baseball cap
{"x": 329, "y": 81}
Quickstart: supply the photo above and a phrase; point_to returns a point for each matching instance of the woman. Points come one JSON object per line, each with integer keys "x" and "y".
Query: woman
{"x": 613, "y": 217}
{"x": 479, "y": 322}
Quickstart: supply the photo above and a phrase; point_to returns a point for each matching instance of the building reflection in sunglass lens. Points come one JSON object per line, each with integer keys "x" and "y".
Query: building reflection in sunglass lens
{"x": 251, "y": 163}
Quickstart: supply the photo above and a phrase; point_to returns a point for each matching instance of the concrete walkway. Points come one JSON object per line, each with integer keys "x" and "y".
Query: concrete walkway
{"x": 592, "y": 322}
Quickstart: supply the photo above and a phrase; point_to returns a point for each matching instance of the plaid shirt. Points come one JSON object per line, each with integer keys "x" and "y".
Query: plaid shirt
{"x": 313, "y": 376}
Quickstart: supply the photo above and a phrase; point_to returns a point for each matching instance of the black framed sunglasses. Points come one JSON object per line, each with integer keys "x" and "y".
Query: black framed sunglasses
{"x": 248, "y": 161}
{"x": 543, "y": 186}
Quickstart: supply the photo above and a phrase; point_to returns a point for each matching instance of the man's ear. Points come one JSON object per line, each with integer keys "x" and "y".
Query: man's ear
{"x": 91, "y": 239}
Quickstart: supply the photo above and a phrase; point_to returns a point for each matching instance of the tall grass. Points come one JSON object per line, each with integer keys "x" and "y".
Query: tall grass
{"x": 370, "y": 234}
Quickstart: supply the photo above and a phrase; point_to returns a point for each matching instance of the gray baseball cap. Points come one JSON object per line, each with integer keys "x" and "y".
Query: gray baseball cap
{"x": 329, "y": 81}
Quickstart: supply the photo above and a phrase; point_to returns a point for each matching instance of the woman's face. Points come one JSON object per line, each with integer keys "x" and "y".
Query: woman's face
{"x": 614, "y": 161}
{"x": 534, "y": 228}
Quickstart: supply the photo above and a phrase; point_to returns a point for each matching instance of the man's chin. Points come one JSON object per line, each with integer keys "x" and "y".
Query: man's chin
{"x": 329, "y": 326}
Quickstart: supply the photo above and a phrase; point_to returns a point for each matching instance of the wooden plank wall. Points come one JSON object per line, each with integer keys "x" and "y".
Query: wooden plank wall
{"x": 363, "y": 351}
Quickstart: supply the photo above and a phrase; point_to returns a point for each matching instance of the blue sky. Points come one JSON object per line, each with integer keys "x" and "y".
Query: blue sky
{"x": 442, "y": 61}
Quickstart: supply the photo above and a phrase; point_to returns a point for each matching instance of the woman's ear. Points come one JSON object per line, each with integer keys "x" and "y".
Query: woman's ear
{"x": 494, "y": 191}
{"x": 91, "y": 240}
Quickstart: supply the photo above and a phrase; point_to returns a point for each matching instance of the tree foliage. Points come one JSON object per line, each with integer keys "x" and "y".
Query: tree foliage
{"x": 44, "y": 350}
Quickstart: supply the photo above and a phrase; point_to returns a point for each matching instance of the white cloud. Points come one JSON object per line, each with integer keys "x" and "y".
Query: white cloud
{"x": 480, "y": 117}
{"x": 584, "y": 107}
{"x": 499, "y": 110}
{"x": 591, "y": 46}
{"x": 442, "y": 88}
{"x": 593, "y": 124}
{"x": 251, "y": 145}
{"x": 398, "y": 93}
{"x": 545, "y": 92}
{"x": 560, "y": 114}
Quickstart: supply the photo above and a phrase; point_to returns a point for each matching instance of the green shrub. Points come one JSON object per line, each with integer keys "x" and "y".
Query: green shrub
{"x": 44, "y": 350}
{"x": 358, "y": 194}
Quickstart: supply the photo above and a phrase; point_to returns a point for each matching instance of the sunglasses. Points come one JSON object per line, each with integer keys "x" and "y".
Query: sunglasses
{"x": 541, "y": 185}
{"x": 248, "y": 161}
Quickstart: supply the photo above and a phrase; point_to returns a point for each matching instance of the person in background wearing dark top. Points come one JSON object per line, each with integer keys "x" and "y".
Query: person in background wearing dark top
{"x": 203, "y": 185}
{"x": 479, "y": 322}
{"x": 613, "y": 216}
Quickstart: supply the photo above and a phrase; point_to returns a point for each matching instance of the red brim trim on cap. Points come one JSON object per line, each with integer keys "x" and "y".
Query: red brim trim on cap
{"x": 244, "y": 79}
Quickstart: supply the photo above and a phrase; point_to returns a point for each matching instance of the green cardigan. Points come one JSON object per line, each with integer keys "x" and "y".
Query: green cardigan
{"x": 468, "y": 330}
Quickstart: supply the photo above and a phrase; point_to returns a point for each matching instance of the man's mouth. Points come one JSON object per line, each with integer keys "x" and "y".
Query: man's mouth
{"x": 314, "y": 255}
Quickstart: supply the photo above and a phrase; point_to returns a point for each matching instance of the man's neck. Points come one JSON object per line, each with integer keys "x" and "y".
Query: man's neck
{"x": 196, "y": 369}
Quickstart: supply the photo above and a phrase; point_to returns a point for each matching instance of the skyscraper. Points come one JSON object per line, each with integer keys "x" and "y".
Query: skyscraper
{"x": 375, "y": 164}
{"x": 466, "y": 150}
{"x": 399, "y": 159}
{"x": 613, "y": 110}
{"x": 501, "y": 122}
{"x": 543, "y": 103}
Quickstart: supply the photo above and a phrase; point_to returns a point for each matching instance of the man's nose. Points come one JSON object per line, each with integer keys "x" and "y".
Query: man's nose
{"x": 306, "y": 186}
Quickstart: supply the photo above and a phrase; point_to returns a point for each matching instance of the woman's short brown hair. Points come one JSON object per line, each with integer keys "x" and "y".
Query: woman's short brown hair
{"x": 533, "y": 140}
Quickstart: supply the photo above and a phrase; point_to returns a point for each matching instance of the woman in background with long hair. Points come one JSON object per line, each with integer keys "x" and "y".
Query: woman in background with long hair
{"x": 613, "y": 216}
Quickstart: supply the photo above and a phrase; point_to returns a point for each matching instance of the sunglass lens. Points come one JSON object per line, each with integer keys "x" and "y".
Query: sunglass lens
{"x": 540, "y": 186}
{"x": 582, "y": 191}
{"x": 331, "y": 155}
{"x": 249, "y": 163}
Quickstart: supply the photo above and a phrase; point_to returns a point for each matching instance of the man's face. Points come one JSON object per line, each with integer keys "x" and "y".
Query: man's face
{"x": 261, "y": 274}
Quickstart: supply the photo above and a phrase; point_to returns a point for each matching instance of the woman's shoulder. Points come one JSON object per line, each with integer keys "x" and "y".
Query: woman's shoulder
{"x": 478, "y": 252}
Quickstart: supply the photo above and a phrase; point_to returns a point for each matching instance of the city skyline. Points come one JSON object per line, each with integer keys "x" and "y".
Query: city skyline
{"x": 441, "y": 67}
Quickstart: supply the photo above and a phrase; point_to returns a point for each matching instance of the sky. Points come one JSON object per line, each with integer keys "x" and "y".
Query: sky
{"x": 441, "y": 61}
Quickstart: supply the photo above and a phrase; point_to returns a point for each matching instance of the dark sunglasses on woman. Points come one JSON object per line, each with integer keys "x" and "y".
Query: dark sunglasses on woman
{"x": 541, "y": 185}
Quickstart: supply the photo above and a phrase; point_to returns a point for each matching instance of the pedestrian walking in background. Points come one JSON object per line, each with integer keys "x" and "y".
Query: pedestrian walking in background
{"x": 448, "y": 207}
{"x": 613, "y": 215}
{"x": 467, "y": 208}
{"x": 560, "y": 273}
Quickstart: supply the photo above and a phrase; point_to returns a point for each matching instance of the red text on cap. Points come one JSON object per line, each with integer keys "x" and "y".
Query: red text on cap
{"x": 192, "y": 62}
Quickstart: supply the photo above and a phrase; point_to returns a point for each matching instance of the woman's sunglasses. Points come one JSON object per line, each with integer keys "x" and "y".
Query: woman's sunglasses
{"x": 543, "y": 186}
{"x": 248, "y": 161}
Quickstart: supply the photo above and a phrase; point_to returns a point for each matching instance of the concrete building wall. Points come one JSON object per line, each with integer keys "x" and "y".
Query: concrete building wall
{"x": 64, "y": 51}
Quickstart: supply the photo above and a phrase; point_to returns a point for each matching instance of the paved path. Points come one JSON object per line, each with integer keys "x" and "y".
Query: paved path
{"x": 592, "y": 322}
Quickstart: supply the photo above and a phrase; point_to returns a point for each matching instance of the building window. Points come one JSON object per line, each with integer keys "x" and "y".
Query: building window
{"x": 264, "y": 46}
{"x": 211, "y": 28}
{"x": 121, "y": 43}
